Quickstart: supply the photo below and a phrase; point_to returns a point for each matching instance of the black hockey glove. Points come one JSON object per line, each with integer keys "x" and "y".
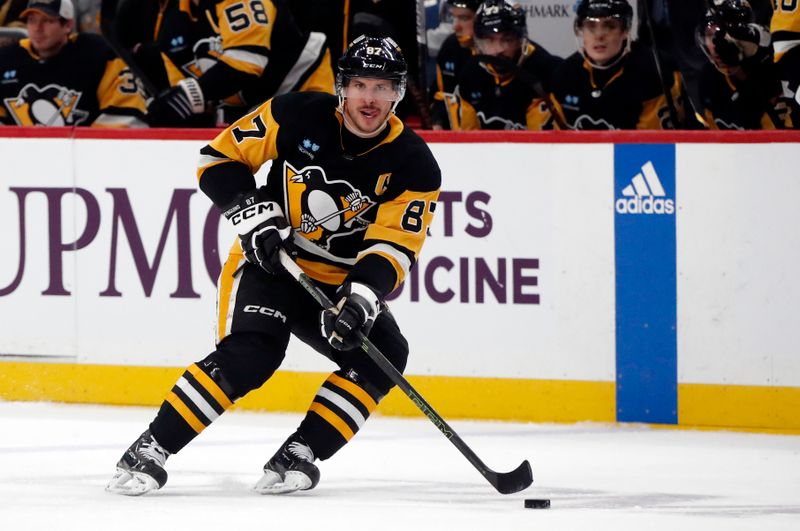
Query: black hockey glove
{"x": 737, "y": 42}
{"x": 262, "y": 229}
{"x": 356, "y": 311}
{"x": 752, "y": 33}
{"x": 176, "y": 104}
{"x": 727, "y": 49}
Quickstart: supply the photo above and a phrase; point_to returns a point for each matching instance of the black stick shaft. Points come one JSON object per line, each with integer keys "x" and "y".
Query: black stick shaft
{"x": 505, "y": 483}
{"x": 665, "y": 87}
{"x": 419, "y": 88}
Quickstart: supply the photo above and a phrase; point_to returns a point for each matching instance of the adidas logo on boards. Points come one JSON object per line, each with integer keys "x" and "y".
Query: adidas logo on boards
{"x": 645, "y": 194}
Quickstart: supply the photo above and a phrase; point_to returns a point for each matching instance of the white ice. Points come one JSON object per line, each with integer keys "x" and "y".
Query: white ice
{"x": 397, "y": 474}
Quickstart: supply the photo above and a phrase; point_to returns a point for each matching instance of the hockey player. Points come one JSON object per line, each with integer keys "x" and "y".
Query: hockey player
{"x": 506, "y": 87}
{"x": 785, "y": 29}
{"x": 456, "y": 50}
{"x": 353, "y": 192}
{"x": 608, "y": 83}
{"x": 212, "y": 51}
{"x": 739, "y": 87}
{"x": 57, "y": 78}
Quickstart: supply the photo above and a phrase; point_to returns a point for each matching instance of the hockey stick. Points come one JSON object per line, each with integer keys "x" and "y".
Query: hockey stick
{"x": 530, "y": 80}
{"x": 108, "y": 19}
{"x": 505, "y": 482}
{"x": 665, "y": 88}
{"x": 419, "y": 86}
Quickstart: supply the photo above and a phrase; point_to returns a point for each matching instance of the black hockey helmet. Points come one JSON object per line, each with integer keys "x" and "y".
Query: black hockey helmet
{"x": 464, "y": 4}
{"x": 500, "y": 16}
{"x": 721, "y": 18}
{"x": 596, "y": 9}
{"x": 730, "y": 12}
{"x": 375, "y": 57}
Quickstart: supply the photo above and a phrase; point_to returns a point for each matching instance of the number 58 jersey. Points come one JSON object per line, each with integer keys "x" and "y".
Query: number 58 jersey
{"x": 359, "y": 208}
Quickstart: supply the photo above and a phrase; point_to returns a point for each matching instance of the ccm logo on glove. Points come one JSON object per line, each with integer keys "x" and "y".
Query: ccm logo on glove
{"x": 250, "y": 212}
{"x": 262, "y": 227}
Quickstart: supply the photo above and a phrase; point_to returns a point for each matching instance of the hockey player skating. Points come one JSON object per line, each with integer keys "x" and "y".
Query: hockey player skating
{"x": 348, "y": 156}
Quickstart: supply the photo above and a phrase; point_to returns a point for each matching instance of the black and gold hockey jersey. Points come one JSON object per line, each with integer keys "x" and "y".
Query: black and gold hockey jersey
{"x": 510, "y": 102}
{"x": 161, "y": 36}
{"x": 85, "y": 84}
{"x": 754, "y": 101}
{"x": 785, "y": 26}
{"x": 450, "y": 62}
{"x": 359, "y": 208}
{"x": 10, "y": 11}
{"x": 628, "y": 95}
{"x": 250, "y": 49}
{"x": 785, "y": 29}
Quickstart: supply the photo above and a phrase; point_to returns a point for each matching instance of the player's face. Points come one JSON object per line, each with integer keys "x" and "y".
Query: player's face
{"x": 712, "y": 49}
{"x": 463, "y": 20}
{"x": 368, "y": 102}
{"x": 506, "y": 45}
{"x": 603, "y": 39}
{"x": 48, "y": 34}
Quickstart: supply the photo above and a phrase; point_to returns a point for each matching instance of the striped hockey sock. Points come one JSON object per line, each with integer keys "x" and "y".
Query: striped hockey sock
{"x": 339, "y": 409}
{"x": 194, "y": 402}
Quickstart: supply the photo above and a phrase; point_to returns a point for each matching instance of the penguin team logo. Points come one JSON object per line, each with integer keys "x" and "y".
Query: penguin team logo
{"x": 508, "y": 125}
{"x": 584, "y": 121}
{"x": 322, "y": 209}
{"x": 52, "y": 105}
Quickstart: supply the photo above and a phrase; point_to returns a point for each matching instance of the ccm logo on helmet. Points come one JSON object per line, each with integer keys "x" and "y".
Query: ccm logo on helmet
{"x": 251, "y": 212}
{"x": 263, "y": 310}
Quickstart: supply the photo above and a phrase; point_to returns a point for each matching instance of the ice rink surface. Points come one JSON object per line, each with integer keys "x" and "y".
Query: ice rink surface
{"x": 397, "y": 474}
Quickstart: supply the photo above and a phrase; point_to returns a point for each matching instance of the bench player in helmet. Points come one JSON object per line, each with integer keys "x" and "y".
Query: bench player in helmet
{"x": 785, "y": 29}
{"x": 455, "y": 51}
{"x": 55, "y": 77}
{"x": 505, "y": 87}
{"x": 739, "y": 86}
{"x": 352, "y": 191}
{"x": 610, "y": 83}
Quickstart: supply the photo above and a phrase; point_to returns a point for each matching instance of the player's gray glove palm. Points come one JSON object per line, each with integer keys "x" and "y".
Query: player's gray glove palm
{"x": 262, "y": 229}
{"x": 356, "y": 311}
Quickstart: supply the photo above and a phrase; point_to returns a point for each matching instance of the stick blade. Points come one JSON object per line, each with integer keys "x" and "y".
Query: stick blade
{"x": 514, "y": 481}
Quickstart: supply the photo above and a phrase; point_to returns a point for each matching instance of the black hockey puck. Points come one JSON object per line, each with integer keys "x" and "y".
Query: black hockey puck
{"x": 533, "y": 503}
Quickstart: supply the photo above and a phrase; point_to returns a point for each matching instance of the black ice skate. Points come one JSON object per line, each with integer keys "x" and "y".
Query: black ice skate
{"x": 141, "y": 468}
{"x": 292, "y": 468}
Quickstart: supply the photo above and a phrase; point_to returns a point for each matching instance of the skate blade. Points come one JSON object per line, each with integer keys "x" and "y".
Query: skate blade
{"x": 131, "y": 483}
{"x": 271, "y": 484}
